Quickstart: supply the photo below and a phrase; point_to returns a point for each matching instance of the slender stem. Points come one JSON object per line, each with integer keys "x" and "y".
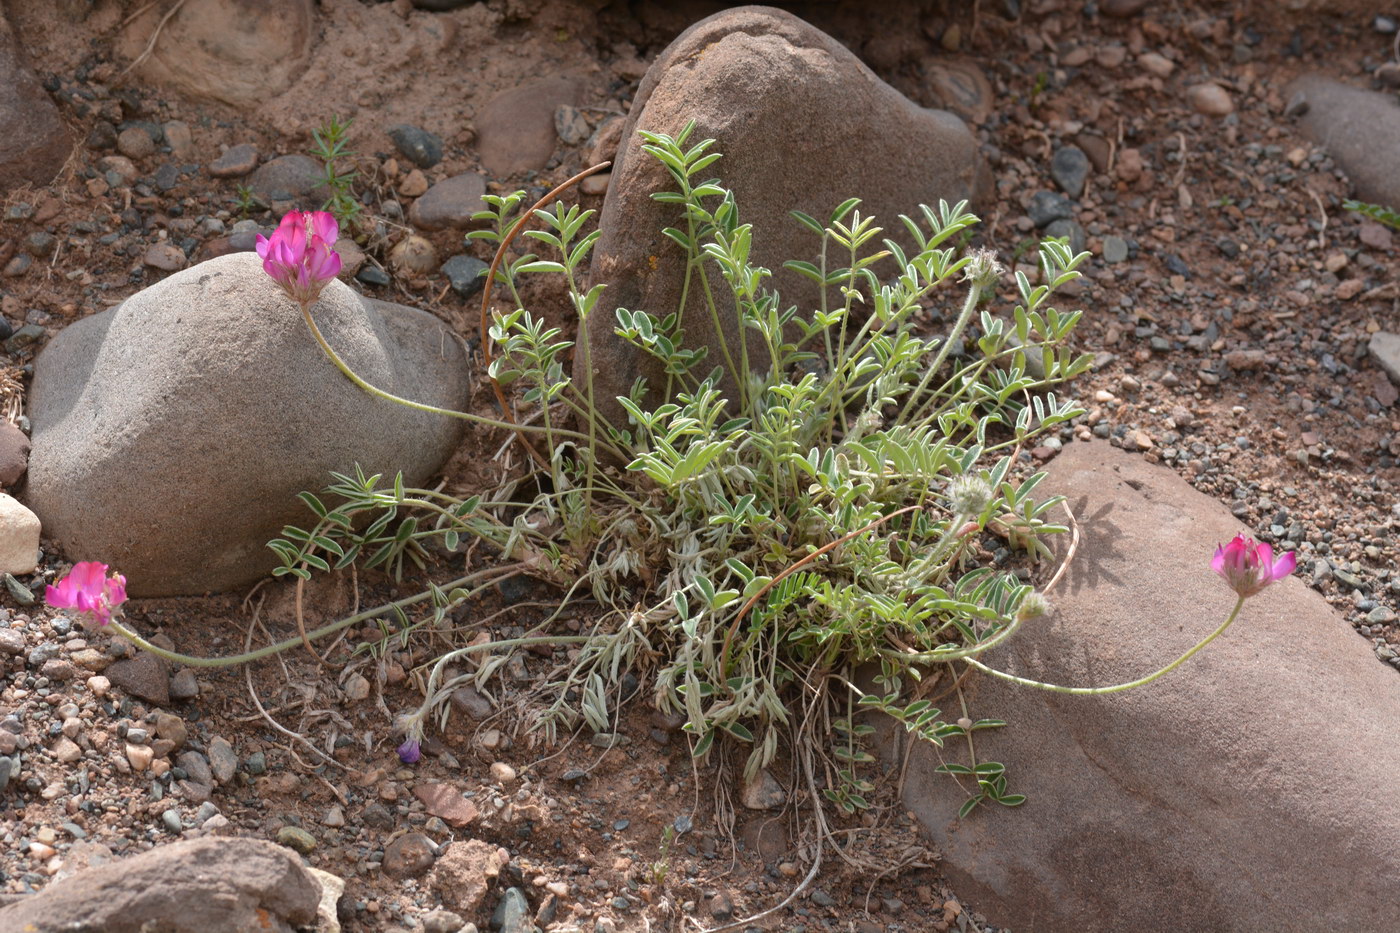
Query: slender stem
{"x": 974, "y": 294}
{"x": 286, "y": 644}
{"x": 1116, "y": 688}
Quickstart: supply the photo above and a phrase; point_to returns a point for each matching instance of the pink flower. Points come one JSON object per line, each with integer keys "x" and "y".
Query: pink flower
{"x": 410, "y": 751}
{"x": 87, "y": 588}
{"x": 300, "y": 255}
{"x": 1248, "y": 566}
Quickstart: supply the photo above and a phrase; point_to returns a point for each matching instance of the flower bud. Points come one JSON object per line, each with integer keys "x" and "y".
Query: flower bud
{"x": 969, "y": 495}
{"x": 1033, "y": 606}
{"x": 982, "y": 268}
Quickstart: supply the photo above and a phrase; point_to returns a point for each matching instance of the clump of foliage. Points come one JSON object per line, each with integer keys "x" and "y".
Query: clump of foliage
{"x": 750, "y": 553}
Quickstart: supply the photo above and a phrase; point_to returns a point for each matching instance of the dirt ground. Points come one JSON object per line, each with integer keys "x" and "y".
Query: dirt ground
{"x": 1230, "y": 347}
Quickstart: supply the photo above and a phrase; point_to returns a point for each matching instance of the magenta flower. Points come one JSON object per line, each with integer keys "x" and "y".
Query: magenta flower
{"x": 87, "y": 588}
{"x": 409, "y": 751}
{"x": 300, "y": 255}
{"x": 1248, "y": 566}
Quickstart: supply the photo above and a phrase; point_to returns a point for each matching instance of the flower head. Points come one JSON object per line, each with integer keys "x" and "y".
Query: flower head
{"x": 969, "y": 495}
{"x": 300, "y": 255}
{"x": 982, "y": 268}
{"x": 1249, "y": 566}
{"x": 410, "y": 751}
{"x": 1033, "y": 606}
{"x": 87, "y": 588}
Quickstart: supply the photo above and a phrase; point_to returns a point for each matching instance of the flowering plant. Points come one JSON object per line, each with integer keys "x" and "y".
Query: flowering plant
{"x": 88, "y": 589}
{"x": 300, "y": 255}
{"x": 1249, "y": 567}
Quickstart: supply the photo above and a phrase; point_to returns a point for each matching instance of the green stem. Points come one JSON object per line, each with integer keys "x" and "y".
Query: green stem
{"x": 1116, "y": 688}
{"x": 974, "y": 294}
{"x": 286, "y": 644}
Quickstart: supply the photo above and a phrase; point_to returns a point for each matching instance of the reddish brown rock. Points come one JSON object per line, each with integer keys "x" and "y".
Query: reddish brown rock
{"x": 463, "y": 874}
{"x": 1243, "y": 784}
{"x": 446, "y": 802}
{"x": 449, "y": 203}
{"x": 802, "y": 125}
{"x": 14, "y": 453}
{"x": 196, "y": 886}
{"x": 515, "y": 131}
{"x": 34, "y": 143}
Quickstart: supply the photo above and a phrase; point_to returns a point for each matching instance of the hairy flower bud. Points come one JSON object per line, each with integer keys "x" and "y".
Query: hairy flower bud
{"x": 1032, "y": 607}
{"x": 982, "y": 268}
{"x": 969, "y": 495}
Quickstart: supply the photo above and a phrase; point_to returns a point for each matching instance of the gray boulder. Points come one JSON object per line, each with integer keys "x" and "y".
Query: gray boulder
{"x": 1361, "y": 130}
{"x": 210, "y": 885}
{"x": 172, "y": 433}
{"x": 803, "y": 125}
{"x": 1242, "y": 790}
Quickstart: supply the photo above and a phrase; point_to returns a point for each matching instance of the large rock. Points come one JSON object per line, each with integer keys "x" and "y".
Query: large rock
{"x": 240, "y": 52}
{"x": 1361, "y": 130}
{"x": 210, "y": 885}
{"x": 803, "y": 125}
{"x": 172, "y": 433}
{"x": 34, "y": 143}
{"x": 1240, "y": 792}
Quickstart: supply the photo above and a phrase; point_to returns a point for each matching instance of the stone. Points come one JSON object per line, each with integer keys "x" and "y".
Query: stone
{"x": 570, "y": 125}
{"x": 1157, "y": 65}
{"x": 236, "y": 161}
{"x": 420, "y": 147}
{"x": 172, "y": 728}
{"x": 291, "y": 178}
{"x": 468, "y": 700}
{"x": 1210, "y": 99}
{"x": 241, "y": 53}
{"x": 961, "y": 88}
{"x": 135, "y": 143}
{"x": 1046, "y": 207}
{"x": 464, "y": 871}
{"x": 763, "y": 792}
{"x": 166, "y": 257}
{"x": 465, "y": 273}
{"x": 1384, "y": 348}
{"x": 327, "y": 910}
{"x": 1115, "y": 249}
{"x": 1375, "y": 235}
{"x": 1069, "y": 166}
{"x": 1123, "y": 9}
{"x": 143, "y": 676}
{"x": 408, "y": 856}
{"x": 443, "y": 921}
{"x": 223, "y": 761}
{"x": 515, "y": 130}
{"x": 34, "y": 141}
{"x": 1359, "y": 128}
{"x": 414, "y": 184}
{"x": 449, "y": 203}
{"x": 413, "y": 255}
{"x": 447, "y": 803}
{"x": 512, "y": 914}
{"x": 184, "y": 685}
{"x": 139, "y": 756}
{"x": 296, "y": 839}
{"x": 208, "y": 885}
{"x": 1146, "y": 800}
{"x": 802, "y": 125}
{"x": 19, "y": 537}
{"x": 123, "y": 402}
{"x": 66, "y": 751}
{"x": 180, "y": 139}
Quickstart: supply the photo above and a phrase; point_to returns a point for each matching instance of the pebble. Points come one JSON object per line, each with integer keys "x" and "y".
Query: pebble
{"x": 413, "y": 255}
{"x": 422, "y": 148}
{"x": 66, "y": 751}
{"x": 1210, "y": 99}
{"x": 596, "y": 185}
{"x": 165, "y": 256}
{"x": 512, "y": 914}
{"x": 12, "y": 642}
{"x": 1049, "y": 206}
{"x": 135, "y": 143}
{"x": 443, "y": 921}
{"x": 450, "y": 203}
{"x": 502, "y": 773}
{"x": 140, "y": 756}
{"x": 184, "y": 685}
{"x": 1070, "y": 168}
{"x": 414, "y": 184}
{"x": 372, "y": 275}
{"x": 1115, "y": 249}
{"x": 223, "y": 761}
{"x": 18, "y": 265}
{"x": 297, "y": 839}
{"x": 570, "y": 125}
{"x": 171, "y": 727}
{"x": 99, "y": 685}
{"x": 408, "y": 856}
{"x": 1157, "y": 65}
{"x": 335, "y": 818}
{"x": 466, "y": 274}
{"x": 171, "y": 819}
{"x": 236, "y": 162}
{"x": 469, "y": 701}
{"x": 356, "y": 688}
{"x": 763, "y": 792}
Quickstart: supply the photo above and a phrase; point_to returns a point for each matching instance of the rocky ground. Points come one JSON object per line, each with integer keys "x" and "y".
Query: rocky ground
{"x": 1231, "y": 304}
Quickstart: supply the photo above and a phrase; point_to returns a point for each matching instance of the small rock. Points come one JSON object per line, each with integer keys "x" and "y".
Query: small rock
{"x": 335, "y": 818}
{"x": 443, "y": 921}
{"x": 99, "y": 685}
{"x": 1115, "y": 249}
{"x": 1123, "y": 9}
{"x": 515, "y": 129}
{"x": 223, "y": 761}
{"x": 413, "y": 254}
{"x": 450, "y": 203}
{"x": 18, "y": 265}
{"x": 21, "y": 593}
{"x": 143, "y": 676}
{"x": 446, "y": 802}
{"x": 12, "y": 642}
{"x": 356, "y": 688}
{"x": 1376, "y": 236}
{"x": 414, "y": 184}
{"x": 512, "y": 914}
{"x": 290, "y": 178}
{"x": 465, "y": 273}
{"x": 236, "y": 162}
{"x": 166, "y": 257}
{"x": 1210, "y": 99}
{"x": 1384, "y": 348}
{"x": 140, "y": 756}
{"x": 596, "y": 185}
{"x": 296, "y": 839}
{"x": 763, "y": 792}
{"x": 135, "y": 143}
{"x": 1130, "y": 165}
{"x": 408, "y": 856}
{"x": 14, "y": 453}
{"x": 372, "y": 275}
{"x": 422, "y": 148}
{"x": 1157, "y": 65}
{"x": 180, "y": 139}
{"x": 469, "y": 701}
{"x": 66, "y": 751}
{"x": 1070, "y": 168}
{"x": 184, "y": 686}
{"x": 19, "y": 537}
{"x": 570, "y": 125}
{"x": 502, "y": 773}
{"x": 172, "y": 727}
{"x": 1049, "y": 206}
{"x": 196, "y": 766}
